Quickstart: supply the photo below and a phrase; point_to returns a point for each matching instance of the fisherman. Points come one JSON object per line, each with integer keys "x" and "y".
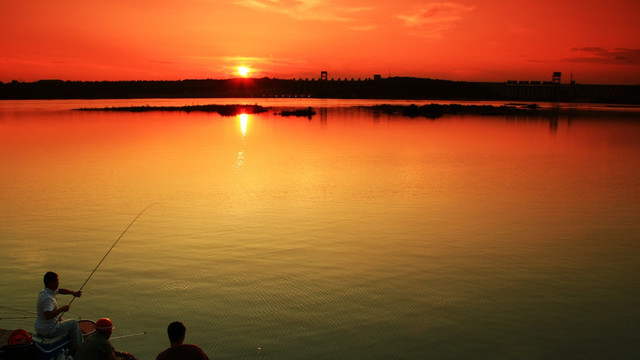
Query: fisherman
{"x": 98, "y": 347}
{"x": 48, "y": 324}
{"x": 178, "y": 350}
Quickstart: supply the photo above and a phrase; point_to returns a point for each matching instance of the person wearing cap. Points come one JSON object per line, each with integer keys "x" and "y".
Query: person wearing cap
{"x": 48, "y": 323}
{"x": 98, "y": 347}
{"x": 178, "y": 350}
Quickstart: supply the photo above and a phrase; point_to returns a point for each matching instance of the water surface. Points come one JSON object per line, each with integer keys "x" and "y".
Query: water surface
{"x": 353, "y": 235}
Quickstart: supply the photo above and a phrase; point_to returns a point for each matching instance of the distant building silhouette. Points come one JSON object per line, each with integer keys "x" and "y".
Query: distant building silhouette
{"x": 323, "y": 75}
{"x": 542, "y": 90}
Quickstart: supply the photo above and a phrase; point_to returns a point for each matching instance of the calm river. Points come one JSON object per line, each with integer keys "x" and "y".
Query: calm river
{"x": 352, "y": 235}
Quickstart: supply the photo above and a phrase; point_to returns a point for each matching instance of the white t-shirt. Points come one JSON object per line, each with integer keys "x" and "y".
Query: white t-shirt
{"x": 46, "y": 302}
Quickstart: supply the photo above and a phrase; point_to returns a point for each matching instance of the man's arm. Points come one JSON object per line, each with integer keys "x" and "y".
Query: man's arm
{"x": 70, "y": 292}
{"x": 54, "y": 313}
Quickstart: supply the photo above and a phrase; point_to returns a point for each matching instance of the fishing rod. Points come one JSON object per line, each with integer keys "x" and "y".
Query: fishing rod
{"x": 104, "y": 257}
{"x": 111, "y": 248}
{"x": 130, "y": 335}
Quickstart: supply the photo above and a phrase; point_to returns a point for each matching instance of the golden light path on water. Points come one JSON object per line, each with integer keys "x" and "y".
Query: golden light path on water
{"x": 243, "y": 121}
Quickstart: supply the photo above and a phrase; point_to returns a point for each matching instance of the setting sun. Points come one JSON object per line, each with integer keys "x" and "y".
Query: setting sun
{"x": 243, "y": 71}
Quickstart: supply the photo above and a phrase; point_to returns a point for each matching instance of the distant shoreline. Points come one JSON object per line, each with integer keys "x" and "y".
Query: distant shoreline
{"x": 392, "y": 88}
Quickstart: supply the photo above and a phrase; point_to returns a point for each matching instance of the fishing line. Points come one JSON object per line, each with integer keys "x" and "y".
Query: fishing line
{"x": 15, "y": 309}
{"x": 18, "y": 317}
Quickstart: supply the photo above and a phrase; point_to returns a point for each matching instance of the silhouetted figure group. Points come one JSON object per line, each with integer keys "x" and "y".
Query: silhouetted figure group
{"x": 49, "y": 324}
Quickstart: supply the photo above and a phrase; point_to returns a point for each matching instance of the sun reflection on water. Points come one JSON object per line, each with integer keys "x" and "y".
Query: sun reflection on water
{"x": 244, "y": 123}
{"x": 243, "y": 119}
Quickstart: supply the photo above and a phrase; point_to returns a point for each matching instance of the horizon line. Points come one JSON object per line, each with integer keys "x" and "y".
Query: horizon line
{"x": 375, "y": 78}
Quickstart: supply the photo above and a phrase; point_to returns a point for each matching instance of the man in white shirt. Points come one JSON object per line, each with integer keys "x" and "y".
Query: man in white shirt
{"x": 47, "y": 323}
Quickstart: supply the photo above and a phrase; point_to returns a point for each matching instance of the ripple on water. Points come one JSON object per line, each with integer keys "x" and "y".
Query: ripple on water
{"x": 177, "y": 285}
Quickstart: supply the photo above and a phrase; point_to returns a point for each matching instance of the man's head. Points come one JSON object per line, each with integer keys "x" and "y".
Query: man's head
{"x": 51, "y": 280}
{"x": 176, "y": 331}
{"x": 104, "y": 326}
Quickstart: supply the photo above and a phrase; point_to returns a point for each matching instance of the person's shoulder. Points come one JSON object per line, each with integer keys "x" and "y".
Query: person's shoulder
{"x": 168, "y": 354}
{"x": 196, "y": 350}
{"x": 163, "y": 354}
{"x": 47, "y": 293}
{"x": 99, "y": 338}
{"x": 175, "y": 353}
{"x": 190, "y": 351}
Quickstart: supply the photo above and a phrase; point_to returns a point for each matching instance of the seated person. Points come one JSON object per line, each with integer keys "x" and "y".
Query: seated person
{"x": 178, "y": 350}
{"x": 48, "y": 324}
{"x": 98, "y": 347}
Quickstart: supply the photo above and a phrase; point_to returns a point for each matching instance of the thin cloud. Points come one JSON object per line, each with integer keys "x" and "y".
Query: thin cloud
{"x": 259, "y": 65}
{"x": 598, "y": 55}
{"x": 361, "y": 27}
{"x": 305, "y": 9}
{"x": 431, "y": 20}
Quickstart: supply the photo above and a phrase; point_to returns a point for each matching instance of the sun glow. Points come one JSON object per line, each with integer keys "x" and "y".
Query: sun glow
{"x": 243, "y": 71}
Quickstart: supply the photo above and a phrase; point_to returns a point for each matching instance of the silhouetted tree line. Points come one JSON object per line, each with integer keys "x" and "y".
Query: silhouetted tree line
{"x": 387, "y": 88}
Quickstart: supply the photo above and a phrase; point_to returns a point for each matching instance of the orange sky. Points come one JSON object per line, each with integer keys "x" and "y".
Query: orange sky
{"x": 475, "y": 40}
